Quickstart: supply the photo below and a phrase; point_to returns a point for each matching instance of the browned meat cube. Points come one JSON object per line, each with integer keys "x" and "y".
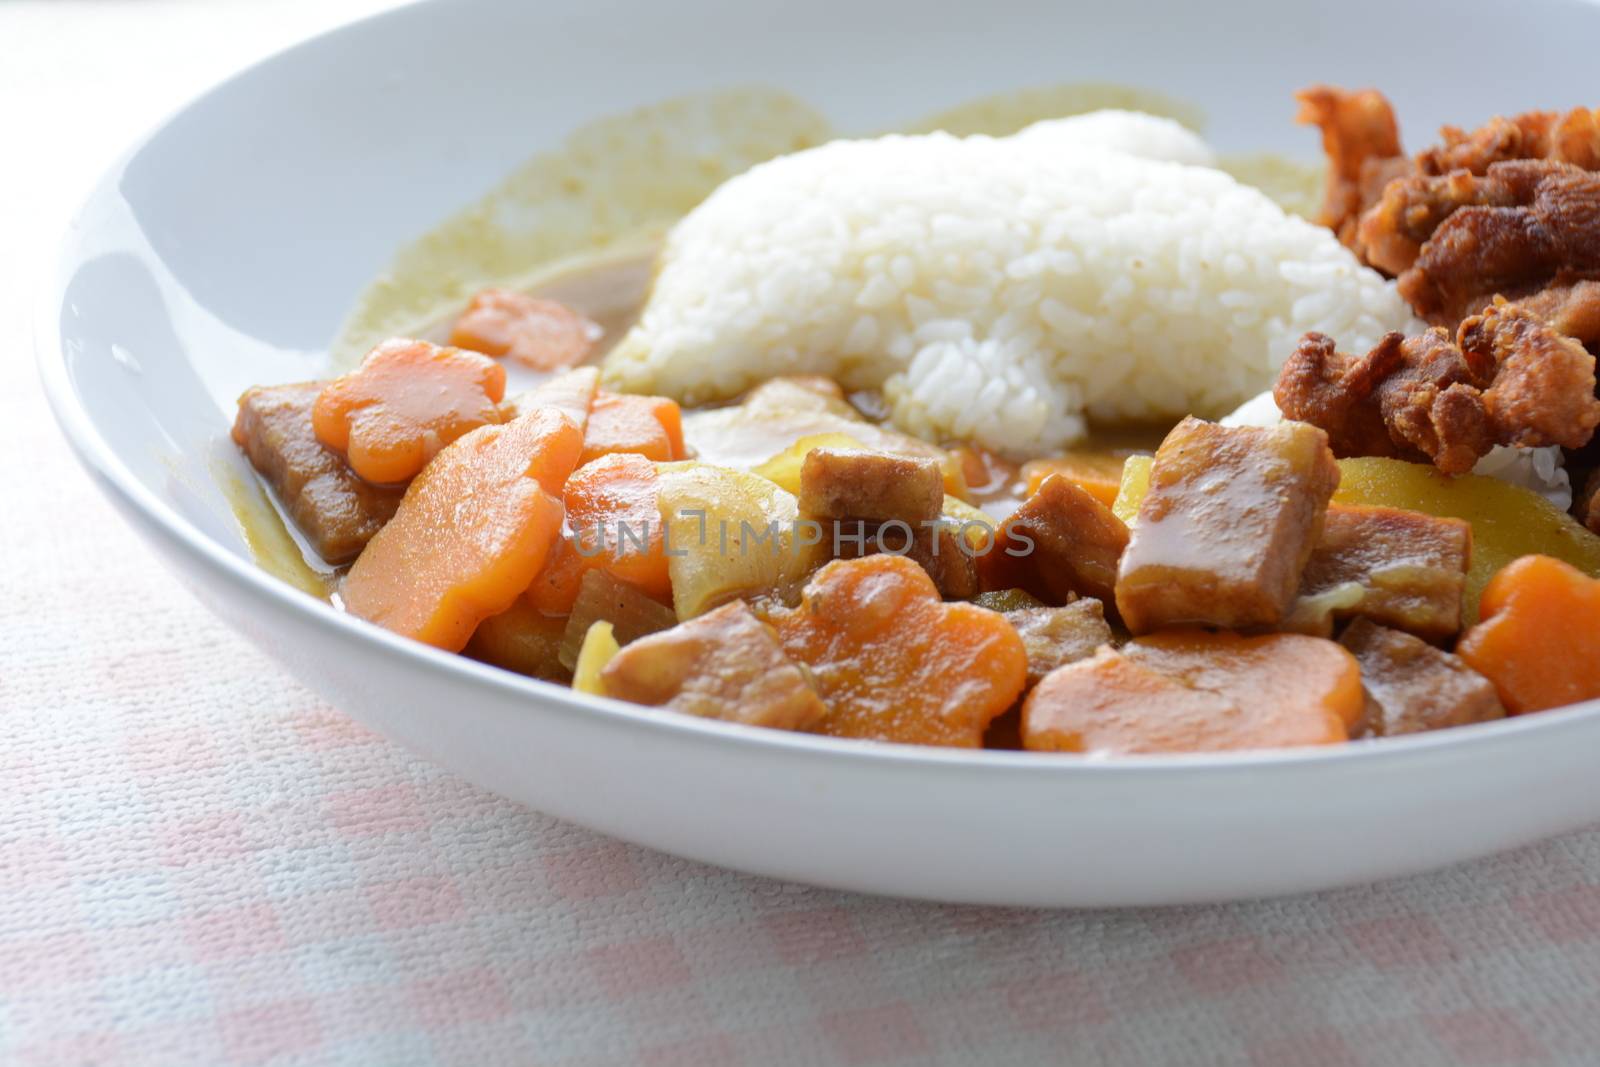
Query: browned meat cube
{"x": 1053, "y": 637}
{"x": 1066, "y": 542}
{"x": 1399, "y": 568}
{"x": 1225, "y": 530}
{"x": 725, "y": 664}
{"x": 522, "y": 639}
{"x": 1586, "y": 503}
{"x": 631, "y": 612}
{"x": 856, "y": 484}
{"x": 1413, "y": 686}
{"x": 335, "y": 510}
{"x": 938, "y": 550}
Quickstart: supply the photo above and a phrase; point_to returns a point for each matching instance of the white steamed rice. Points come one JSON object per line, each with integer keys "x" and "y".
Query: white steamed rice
{"x": 1000, "y": 290}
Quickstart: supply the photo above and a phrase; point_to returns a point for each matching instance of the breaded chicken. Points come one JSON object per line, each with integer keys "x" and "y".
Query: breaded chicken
{"x": 1507, "y": 379}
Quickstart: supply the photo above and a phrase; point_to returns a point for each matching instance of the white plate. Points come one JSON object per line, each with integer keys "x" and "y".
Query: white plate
{"x": 226, "y": 248}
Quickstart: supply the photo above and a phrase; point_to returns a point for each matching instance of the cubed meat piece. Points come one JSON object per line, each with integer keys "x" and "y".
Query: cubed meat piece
{"x": 725, "y": 664}
{"x": 855, "y": 484}
{"x": 1399, "y": 568}
{"x": 1054, "y": 637}
{"x": 1225, "y": 530}
{"x": 1586, "y": 505}
{"x": 1060, "y": 544}
{"x": 335, "y": 510}
{"x": 522, "y": 639}
{"x": 938, "y": 550}
{"x": 631, "y": 612}
{"x": 1413, "y": 686}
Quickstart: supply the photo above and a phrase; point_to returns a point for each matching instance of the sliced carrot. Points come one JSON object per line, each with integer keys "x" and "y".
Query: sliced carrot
{"x": 472, "y": 531}
{"x": 406, "y": 401}
{"x": 614, "y": 524}
{"x": 650, "y": 426}
{"x": 541, "y": 334}
{"x": 895, "y": 663}
{"x": 612, "y": 508}
{"x": 555, "y": 588}
{"x": 1539, "y": 641}
{"x": 1197, "y": 691}
{"x": 1097, "y": 473}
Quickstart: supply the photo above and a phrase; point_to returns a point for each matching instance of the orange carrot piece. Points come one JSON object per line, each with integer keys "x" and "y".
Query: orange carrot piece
{"x": 1539, "y": 638}
{"x": 1197, "y": 691}
{"x": 472, "y": 532}
{"x": 406, "y": 401}
{"x": 611, "y": 506}
{"x": 650, "y": 426}
{"x": 895, "y": 663}
{"x": 541, "y": 334}
{"x": 555, "y": 588}
{"x": 1097, "y": 473}
{"x": 613, "y": 524}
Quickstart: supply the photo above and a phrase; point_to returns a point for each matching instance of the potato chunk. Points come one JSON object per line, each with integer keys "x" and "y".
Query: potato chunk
{"x": 1399, "y": 568}
{"x": 1054, "y": 637}
{"x": 725, "y": 664}
{"x": 1414, "y": 686}
{"x": 730, "y": 535}
{"x": 1224, "y": 532}
{"x": 851, "y": 484}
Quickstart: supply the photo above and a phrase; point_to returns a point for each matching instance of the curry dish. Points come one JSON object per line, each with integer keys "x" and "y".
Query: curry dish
{"x": 1006, "y": 512}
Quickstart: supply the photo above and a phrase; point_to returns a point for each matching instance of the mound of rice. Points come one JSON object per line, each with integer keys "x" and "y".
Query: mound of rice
{"x": 1000, "y": 290}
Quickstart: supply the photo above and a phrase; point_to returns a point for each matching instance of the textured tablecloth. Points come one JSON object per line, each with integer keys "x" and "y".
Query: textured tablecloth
{"x": 201, "y": 863}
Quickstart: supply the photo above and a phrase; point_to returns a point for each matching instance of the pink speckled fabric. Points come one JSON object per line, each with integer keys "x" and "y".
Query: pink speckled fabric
{"x": 202, "y": 864}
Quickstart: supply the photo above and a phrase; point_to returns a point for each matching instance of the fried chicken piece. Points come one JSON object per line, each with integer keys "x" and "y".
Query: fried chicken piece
{"x": 1539, "y": 225}
{"x": 1392, "y": 231}
{"x": 1570, "y": 137}
{"x": 1362, "y": 142}
{"x": 1409, "y": 398}
{"x": 1332, "y": 389}
{"x": 1433, "y": 405}
{"x": 1543, "y": 392}
{"x": 1507, "y": 379}
{"x": 1572, "y": 309}
{"x": 1386, "y": 206}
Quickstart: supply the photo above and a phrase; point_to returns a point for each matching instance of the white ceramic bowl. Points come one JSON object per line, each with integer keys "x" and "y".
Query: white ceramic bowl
{"x": 224, "y": 250}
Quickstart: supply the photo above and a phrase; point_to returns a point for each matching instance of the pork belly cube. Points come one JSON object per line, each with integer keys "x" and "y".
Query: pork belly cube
{"x": 335, "y": 510}
{"x": 837, "y": 483}
{"x": 1225, "y": 530}
{"x": 725, "y": 664}
{"x": 1054, "y": 637}
{"x": 1060, "y": 544}
{"x": 1412, "y": 686}
{"x": 1399, "y": 568}
{"x": 938, "y": 550}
